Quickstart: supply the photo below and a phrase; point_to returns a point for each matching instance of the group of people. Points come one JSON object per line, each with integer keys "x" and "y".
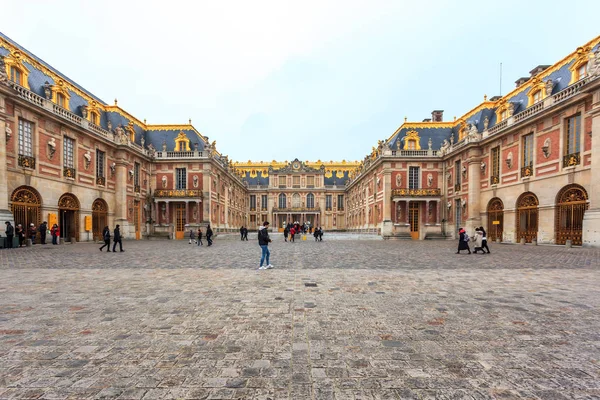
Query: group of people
{"x": 244, "y": 233}
{"x": 291, "y": 230}
{"x": 31, "y": 233}
{"x": 116, "y": 239}
{"x": 479, "y": 241}
{"x": 209, "y": 235}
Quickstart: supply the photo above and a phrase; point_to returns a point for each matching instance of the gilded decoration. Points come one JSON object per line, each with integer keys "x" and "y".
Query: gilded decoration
{"x": 528, "y": 200}
{"x": 412, "y": 137}
{"x": 182, "y": 143}
{"x": 571, "y": 160}
{"x": 25, "y": 195}
{"x": 69, "y": 172}
{"x": 416, "y": 192}
{"x": 99, "y": 206}
{"x": 537, "y": 85}
{"x": 177, "y": 193}
{"x": 572, "y": 195}
{"x": 496, "y": 205}
{"x": 582, "y": 55}
{"x": 26, "y": 161}
{"x": 61, "y": 88}
{"x": 130, "y": 131}
{"x": 15, "y": 59}
{"x": 68, "y": 202}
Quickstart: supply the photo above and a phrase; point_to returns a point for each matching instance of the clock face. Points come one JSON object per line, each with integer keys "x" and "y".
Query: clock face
{"x": 296, "y": 165}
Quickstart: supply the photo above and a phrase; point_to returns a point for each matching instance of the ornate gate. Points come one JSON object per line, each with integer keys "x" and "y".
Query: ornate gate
{"x": 68, "y": 208}
{"x": 527, "y": 217}
{"x": 27, "y": 207}
{"x": 495, "y": 213}
{"x": 571, "y": 203}
{"x": 99, "y": 218}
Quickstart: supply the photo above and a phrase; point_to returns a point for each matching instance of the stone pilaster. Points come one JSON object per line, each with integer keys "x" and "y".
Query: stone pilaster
{"x": 206, "y": 190}
{"x": 5, "y": 213}
{"x": 591, "y": 219}
{"x": 388, "y": 225}
{"x": 121, "y": 194}
{"x": 474, "y": 179}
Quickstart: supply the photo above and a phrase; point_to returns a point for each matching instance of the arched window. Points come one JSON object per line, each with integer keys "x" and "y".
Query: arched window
{"x": 282, "y": 201}
{"x": 296, "y": 203}
{"x": 310, "y": 200}
{"x": 571, "y": 203}
{"x": 527, "y": 217}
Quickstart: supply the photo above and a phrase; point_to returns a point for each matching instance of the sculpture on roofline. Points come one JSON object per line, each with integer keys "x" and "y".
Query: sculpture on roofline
{"x": 549, "y": 86}
{"x": 3, "y": 75}
{"x": 429, "y": 144}
{"x": 142, "y": 141}
{"x": 486, "y": 123}
{"x": 109, "y": 126}
{"x": 593, "y": 68}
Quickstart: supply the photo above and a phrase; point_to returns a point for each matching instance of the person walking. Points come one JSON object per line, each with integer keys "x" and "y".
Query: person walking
{"x": 209, "y": 235}
{"x": 32, "y": 233}
{"x": 43, "y": 230}
{"x": 292, "y": 233}
{"x": 242, "y": 233}
{"x": 199, "y": 237}
{"x": 106, "y": 238}
{"x": 192, "y": 238}
{"x": 263, "y": 242}
{"x": 477, "y": 242}
{"x": 10, "y": 233}
{"x": 286, "y": 231}
{"x": 484, "y": 245}
{"x": 20, "y": 234}
{"x": 55, "y": 233}
{"x": 245, "y": 236}
{"x": 463, "y": 241}
{"x": 117, "y": 239}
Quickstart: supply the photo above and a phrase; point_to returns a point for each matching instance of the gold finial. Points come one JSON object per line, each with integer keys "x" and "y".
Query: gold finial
{"x": 190, "y": 121}
{"x": 115, "y": 101}
{"x": 144, "y": 121}
{"x": 455, "y": 117}
{"x": 405, "y": 118}
{"x": 485, "y": 97}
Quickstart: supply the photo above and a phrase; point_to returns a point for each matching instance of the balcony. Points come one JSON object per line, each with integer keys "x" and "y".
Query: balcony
{"x": 26, "y": 161}
{"x": 417, "y": 192}
{"x": 571, "y": 160}
{"x": 282, "y": 186}
{"x": 177, "y": 193}
{"x": 252, "y": 208}
{"x": 69, "y": 172}
{"x": 526, "y": 171}
{"x": 296, "y": 209}
{"x": 161, "y": 155}
{"x": 136, "y": 188}
{"x": 100, "y": 181}
{"x": 494, "y": 180}
{"x": 457, "y": 187}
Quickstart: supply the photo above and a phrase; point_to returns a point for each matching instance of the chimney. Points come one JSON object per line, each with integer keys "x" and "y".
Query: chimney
{"x": 495, "y": 98}
{"x": 437, "y": 115}
{"x": 427, "y": 120}
{"x": 537, "y": 70}
{"x": 521, "y": 81}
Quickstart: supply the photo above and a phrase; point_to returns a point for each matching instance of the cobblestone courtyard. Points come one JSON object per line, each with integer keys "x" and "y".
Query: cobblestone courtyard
{"x": 333, "y": 320}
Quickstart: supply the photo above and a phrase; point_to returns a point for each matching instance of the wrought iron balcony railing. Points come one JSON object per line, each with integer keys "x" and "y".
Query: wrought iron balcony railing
{"x": 494, "y": 180}
{"x": 571, "y": 160}
{"x": 177, "y": 193}
{"x": 136, "y": 188}
{"x": 417, "y": 192}
{"x": 457, "y": 187}
{"x": 100, "y": 181}
{"x": 69, "y": 172}
{"x": 526, "y": 171}
{"x": 26, "y": 161}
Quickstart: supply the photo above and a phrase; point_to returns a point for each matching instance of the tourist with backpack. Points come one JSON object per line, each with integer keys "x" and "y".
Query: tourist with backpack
{"x": 106, "y": 238}
{"x": 463, "y": 241}
{"x": 263, "y": 242}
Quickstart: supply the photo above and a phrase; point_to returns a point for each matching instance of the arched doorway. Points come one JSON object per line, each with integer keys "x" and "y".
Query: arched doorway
{"x": 27, "y": 207}
{"x": 495, "y": 213}
{"x": 571, "y": 203}
{"x": 68, "y": 217}
{"x": 527, "y": 217}
{"x": 99, "y": 218}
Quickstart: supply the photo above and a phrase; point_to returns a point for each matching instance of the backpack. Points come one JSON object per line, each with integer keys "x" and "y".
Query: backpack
{"x": 467, "y": 238}
{"x": 107, "y": 235}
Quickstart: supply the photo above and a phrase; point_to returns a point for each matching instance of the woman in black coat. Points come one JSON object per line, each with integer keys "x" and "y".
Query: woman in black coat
{"x": 463, "y": 243}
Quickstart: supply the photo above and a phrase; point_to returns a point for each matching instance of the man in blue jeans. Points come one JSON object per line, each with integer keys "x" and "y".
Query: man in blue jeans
{"x": 263, "y": 242}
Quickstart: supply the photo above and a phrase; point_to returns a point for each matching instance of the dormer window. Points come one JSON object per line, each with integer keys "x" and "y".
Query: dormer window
{"x": 579, "y": 67}
{"x": 16, "y": 69}
{"x": 537, "y": 97}
{"x": 503, "y": 115}
{"x": 94, "y": 118}
{"x": 16, "y": 76}
{"x": 581, "y": 71}
{"x": 60, "y": 94}
{"x": 411, "y": 145}
{"x": 60, "y": 100}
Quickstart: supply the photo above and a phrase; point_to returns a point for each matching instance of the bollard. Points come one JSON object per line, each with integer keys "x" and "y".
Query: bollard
{"x": 73, "y": 240}
{"x": 522, "y": 241}
{"x": 28, "y": 242}
{"x": 568, "y": 244}
{"x": 534, "y": 242}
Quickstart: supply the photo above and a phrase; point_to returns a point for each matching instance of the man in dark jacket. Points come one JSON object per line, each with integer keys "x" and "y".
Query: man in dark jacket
{"x": 43, "y": 229}
{"x": 209, "y": 235}
{"x": 245, "y": 236}
{"x": 263, "y": 242}
{"x": 10, "y": 233}
{"x": 117, "y": 239}
{"x": 106, "y": 238}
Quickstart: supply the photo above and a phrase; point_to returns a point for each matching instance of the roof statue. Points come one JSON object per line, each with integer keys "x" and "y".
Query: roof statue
{"x": 593, "y": 68}
{"x": 3, "y": 74}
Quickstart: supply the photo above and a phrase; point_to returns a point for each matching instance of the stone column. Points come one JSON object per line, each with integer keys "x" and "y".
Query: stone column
{"x": 474, "y": 179}
{"x": 121, "y": 193}
{"x": 167, "y": 213}
{"x": 5, "y": 213}
{"x": 198, "y": 212}
{"x": 591, "y": 218}
{"x": 427, "y": 216}
{"x": 437, "y": 212}
{"x": 187, "y": 211}
{"x": 407, "y": 216}
{"x": 206, "y": 192}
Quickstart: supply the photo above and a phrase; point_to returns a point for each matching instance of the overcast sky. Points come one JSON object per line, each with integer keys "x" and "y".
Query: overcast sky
{"x": 312, "y": 79}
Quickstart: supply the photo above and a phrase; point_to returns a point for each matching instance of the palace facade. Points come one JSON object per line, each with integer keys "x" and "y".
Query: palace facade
{"x": 523, "y": 165}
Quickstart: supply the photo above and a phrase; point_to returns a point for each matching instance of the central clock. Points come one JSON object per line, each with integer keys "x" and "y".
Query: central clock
{"x": 296, "y": 165}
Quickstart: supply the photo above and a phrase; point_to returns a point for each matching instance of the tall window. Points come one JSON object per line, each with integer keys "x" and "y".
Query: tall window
{"x": 528, "y": 150}
{"x": 495, "y": 176}
{"x": 340, "y": 202}
{"x": 68, "y": 158}
{"x": 282, "y": 201}
{"x": 296, "y": 181}
{"x": 181, "y": 178}
{"x": 328, "y": 202}
{"x": 263, "y": 201}
{"x": 457, "y": 172}
{"x": 60, "y": 99}
{"x": 16, "y": 76}
{"x": 252, "y": 202}
{"x": 282, "y": 182}
{"x": 310, "y": 200}
{"x": 296, "y": 201}
{"x": 413, "y": 177}
{"x": 25, "y": 138}
{"x": 136, "y": 174}
{"x": 100, "y": 164}
{"x": 310, "y": 181}
{"x": 582, "y": 71}
{"x": 572, "y": 127}
{"x": 537, "y": 97}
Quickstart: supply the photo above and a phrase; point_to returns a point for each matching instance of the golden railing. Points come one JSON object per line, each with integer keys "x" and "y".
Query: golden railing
{"x": 176, "y": 193}
{"x": 417, "y": 192}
